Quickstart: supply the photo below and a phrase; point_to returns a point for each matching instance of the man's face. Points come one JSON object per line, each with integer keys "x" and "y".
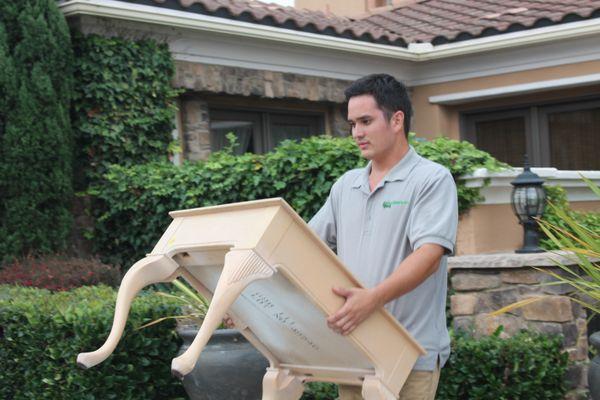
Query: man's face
{"x": 372, "y": 132}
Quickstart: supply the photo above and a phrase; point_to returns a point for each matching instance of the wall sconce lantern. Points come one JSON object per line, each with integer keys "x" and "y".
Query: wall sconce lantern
{"x": 528, "y": 201}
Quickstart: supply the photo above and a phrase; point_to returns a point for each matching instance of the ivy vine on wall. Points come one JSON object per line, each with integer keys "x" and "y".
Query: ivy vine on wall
{"x": 124, "y": 104}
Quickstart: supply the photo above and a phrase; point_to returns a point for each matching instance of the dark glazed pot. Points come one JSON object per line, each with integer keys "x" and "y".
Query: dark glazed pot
{"x": 594, "y": 371}
{"x": 229, "y": 367}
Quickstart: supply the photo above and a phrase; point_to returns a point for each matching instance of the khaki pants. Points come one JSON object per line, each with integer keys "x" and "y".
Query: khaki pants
{"x": 420, "y": 385}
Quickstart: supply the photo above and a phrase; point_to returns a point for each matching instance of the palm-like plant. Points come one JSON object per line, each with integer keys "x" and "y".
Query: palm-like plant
{"x": 191, "y": 301}
{"x": 579, "y": 258}
{"x": 582, "y": 246}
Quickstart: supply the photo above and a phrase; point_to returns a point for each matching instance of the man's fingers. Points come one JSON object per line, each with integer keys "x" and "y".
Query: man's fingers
{"x": 339, "y": 314}
{"x": 341, "y": 291}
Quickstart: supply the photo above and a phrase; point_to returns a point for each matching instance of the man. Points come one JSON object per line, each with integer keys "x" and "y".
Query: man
{"x": 392, "y": 224}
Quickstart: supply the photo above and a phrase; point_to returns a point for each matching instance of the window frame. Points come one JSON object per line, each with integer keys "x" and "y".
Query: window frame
{"x": 263, "y": 141}
{"x": 537, "y": 131}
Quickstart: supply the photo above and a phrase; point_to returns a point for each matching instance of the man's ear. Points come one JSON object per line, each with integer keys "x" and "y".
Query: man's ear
{"x": 397, "y": 121}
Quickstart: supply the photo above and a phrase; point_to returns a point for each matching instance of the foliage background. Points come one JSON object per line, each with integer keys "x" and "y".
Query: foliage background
{"x": 132, "y": 202}
{"x": 557, "y": 196}
{"x": 35, "y": 132}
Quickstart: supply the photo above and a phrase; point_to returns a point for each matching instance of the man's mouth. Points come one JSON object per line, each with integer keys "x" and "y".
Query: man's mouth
{"x": 362, "y": 145}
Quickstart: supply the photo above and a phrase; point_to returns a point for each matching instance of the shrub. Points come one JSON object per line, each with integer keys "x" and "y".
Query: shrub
{"x": 557, "y": 196}
{"x": 525, "y": 366}
{"x": 42, "y": 333}
{"x": 59, "y": 273}
{"x": 35, "y": 134}
{"x": 132, "y": 203}
{"x": 123, "y": 106}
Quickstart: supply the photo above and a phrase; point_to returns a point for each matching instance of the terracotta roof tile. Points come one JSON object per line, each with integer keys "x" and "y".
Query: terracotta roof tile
{"x": 442, "y": 21}
{"x": 435, "y": 21}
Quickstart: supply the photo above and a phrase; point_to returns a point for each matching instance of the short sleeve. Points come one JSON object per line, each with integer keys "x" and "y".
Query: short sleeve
{"x": 434, "y": 217}
{"x": 323, "y": 223}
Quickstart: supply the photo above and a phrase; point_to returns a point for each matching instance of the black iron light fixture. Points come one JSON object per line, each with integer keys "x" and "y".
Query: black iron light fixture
{"x": 528, "y": 201}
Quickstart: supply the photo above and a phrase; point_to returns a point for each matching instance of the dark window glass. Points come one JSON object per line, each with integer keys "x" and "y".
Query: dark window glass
{"x": 575, "y": 139}
{"x": 260, "y": 131}
{"x": 294, "y": 127}
{"x": 246, "y": 126}
{"x": 503, "y": 138}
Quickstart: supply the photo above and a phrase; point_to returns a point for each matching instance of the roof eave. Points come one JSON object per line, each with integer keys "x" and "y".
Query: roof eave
{"x": 421, "y": 52}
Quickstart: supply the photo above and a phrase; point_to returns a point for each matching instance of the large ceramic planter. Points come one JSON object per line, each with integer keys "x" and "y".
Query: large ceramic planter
{"x": 229, "y": 367}
{"x": 594, "y": 371}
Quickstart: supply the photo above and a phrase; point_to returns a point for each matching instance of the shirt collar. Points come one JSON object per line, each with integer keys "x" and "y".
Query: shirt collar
{"x": 399, "y": 172}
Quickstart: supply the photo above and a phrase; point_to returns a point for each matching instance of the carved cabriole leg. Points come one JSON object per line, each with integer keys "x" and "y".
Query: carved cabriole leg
{"x": 374, "y": 389}
{"x": 279, "y": 384}
{"x": 241, "y": 268}
{"x": 151, "y": 269}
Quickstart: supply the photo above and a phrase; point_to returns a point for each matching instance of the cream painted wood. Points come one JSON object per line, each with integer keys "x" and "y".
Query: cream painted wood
{"x": 153, "y": 269}
{"x": 261, "y": 264}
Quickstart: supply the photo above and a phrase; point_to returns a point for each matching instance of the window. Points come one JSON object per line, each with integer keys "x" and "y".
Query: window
{"x": 565, "y": 136}
{"x": 261, "y": 131}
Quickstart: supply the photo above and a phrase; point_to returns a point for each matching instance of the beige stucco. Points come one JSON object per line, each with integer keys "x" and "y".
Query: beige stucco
{"x": 431, "y": 120}
{"x": 494, "y": 228}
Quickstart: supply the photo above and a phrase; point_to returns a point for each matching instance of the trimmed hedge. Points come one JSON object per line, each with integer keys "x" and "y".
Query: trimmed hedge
{"x": 527, "y": 366}
{"x": 41, "y": 334}
{"x": 132, "y": 203}
{"x": 36, "y": 146}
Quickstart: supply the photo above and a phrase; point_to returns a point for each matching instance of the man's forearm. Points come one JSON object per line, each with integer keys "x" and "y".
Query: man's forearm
{"x": 360, "y": 303}
{"x": 410, "y": 273}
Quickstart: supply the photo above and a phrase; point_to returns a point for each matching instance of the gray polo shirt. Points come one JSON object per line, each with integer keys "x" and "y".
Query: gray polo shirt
{"x": 372, "y": 232}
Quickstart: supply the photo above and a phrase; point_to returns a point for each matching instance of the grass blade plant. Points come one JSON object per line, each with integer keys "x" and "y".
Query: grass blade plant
{"x": 191, "y": 301}
{"x": 581, "y": 247}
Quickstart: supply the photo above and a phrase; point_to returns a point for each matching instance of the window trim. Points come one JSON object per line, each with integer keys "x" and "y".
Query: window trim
{"x": 471, "y": 121}
{"x": 263, "y": 142}
{"x": 537, "y": 132}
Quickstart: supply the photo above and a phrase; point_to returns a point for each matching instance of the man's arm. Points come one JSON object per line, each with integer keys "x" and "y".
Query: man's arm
{"x": 409, "y": 274}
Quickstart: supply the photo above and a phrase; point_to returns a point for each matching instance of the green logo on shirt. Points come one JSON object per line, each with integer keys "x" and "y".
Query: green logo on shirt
{"x": 389, "y": 204}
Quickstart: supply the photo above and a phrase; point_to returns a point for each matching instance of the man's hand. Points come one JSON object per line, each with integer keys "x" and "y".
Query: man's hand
{"x": 360, "y": 303}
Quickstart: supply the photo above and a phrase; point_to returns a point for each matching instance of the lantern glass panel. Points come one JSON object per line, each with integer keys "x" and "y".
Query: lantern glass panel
{"x": 528, "y": 202}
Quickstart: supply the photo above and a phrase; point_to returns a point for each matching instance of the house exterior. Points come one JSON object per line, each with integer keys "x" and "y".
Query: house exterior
{"x": 512, "y": 77}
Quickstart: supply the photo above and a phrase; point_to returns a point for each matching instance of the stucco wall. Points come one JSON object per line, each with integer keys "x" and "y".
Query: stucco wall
{"x": 433, "y": 120}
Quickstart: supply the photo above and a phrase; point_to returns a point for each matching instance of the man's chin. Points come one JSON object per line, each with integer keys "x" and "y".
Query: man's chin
{"x": 366, "y": 154}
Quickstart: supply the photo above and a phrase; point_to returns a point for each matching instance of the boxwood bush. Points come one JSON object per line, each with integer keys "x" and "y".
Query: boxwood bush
{"x": 526, "y": 366}
{"x": 132, "y": 202}
{"x": 42, "y": 332}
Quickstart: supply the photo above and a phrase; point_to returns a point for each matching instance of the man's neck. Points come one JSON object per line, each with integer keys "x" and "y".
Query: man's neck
{"x": 381, "y": 167}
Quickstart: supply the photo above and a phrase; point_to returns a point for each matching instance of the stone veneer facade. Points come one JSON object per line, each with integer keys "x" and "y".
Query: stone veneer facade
{"x": 293, "y": 91}
{"x": 481, "y": 284}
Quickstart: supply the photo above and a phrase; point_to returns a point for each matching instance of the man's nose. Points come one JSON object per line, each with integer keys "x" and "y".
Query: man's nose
{"x": 357, "y": 132}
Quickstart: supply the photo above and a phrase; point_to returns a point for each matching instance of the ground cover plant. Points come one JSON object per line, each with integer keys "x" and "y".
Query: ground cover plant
{"x": 59, "y": 272}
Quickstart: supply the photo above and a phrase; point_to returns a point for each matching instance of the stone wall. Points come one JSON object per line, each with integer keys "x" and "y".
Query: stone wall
{"x": 250, "y": 82}
{"x": 292, "y": 92}
{"x": 481, "y": 284}
{"x": 195, "y": 126}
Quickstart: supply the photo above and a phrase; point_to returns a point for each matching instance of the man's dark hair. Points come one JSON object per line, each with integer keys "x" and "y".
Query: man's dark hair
{"x": 389, "y": 94}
